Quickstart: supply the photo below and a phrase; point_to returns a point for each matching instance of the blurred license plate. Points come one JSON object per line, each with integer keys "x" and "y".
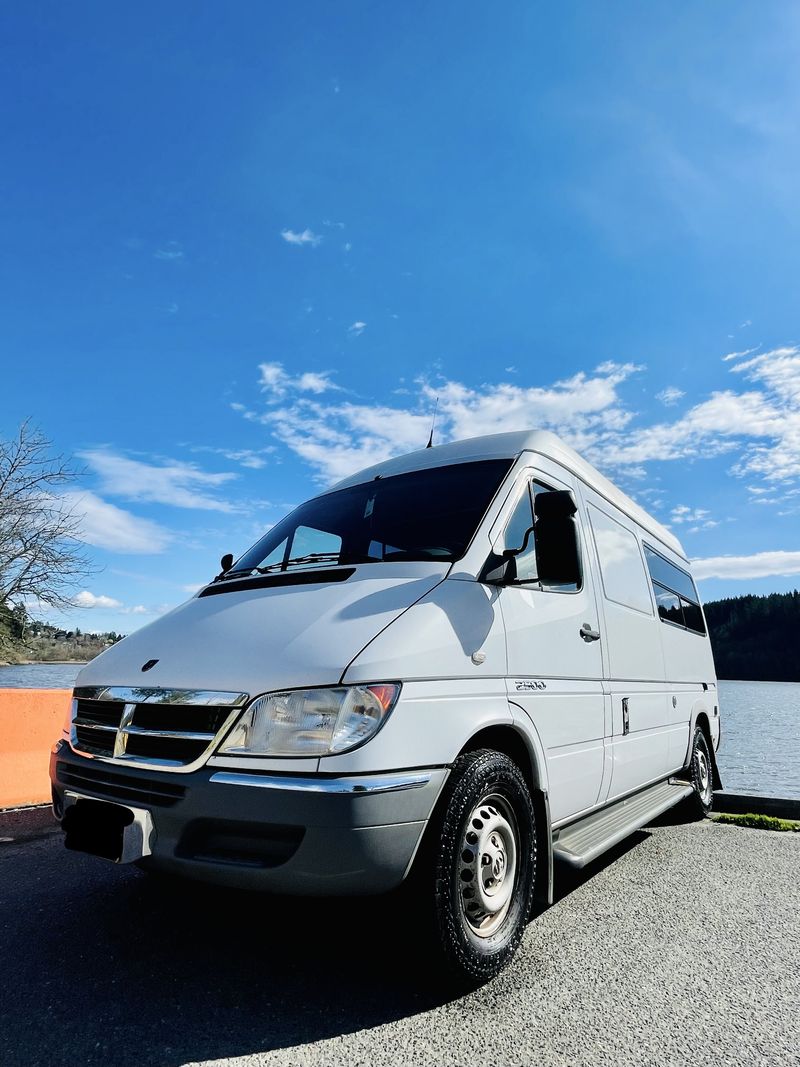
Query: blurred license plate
{"x": 112, "y": 831}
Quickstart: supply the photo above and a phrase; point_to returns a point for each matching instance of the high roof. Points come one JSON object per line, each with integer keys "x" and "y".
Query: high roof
{"x": 509, "y": 446}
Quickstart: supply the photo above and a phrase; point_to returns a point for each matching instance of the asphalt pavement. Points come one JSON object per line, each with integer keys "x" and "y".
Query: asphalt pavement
{"x": 680, "y": 947}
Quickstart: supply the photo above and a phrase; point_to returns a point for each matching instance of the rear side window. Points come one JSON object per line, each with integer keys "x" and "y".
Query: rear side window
{"x": 676, "y": 594}
{"x": 621, "y": 567}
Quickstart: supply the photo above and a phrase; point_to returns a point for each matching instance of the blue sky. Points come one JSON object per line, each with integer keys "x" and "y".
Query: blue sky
{"x": 245, "y": 246}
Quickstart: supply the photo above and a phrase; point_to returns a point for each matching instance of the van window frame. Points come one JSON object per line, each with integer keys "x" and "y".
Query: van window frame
{"x": 530, "y": 482}
{"x": 647, "y": 547}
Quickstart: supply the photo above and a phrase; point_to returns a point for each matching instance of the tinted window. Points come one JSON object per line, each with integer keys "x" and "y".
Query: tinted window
{"x": 692, "y": 616}
{"x": 676, "y": 594}
{"x": 423, "y": 515}
{"x": 669, "y": 605}
{"x": 670, "y": 576}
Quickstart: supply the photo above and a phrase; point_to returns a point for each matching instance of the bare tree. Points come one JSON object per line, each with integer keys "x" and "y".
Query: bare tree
{"x": 41, "y": 557}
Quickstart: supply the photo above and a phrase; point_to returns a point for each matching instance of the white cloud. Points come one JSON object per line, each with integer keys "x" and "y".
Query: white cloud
{"x": 137, "y": 609}
{"x": 277, "y": 382}
{"x": 758, "y": 426}
{"x": 357, "y": 328}
{"x": 759, "y": 565}
{"x": 85, "y": 599}
{"x": 682, "y": 514}
{"x": 305, "y": 237}
{"x": 106, "y": 526}
{"x": 180, "y": 485}
{"x": 670, "y": 396}
{"x": 338, "y": 439}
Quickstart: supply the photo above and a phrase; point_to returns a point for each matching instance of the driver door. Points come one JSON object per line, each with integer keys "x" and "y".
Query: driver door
{"x": 555, "y": 666}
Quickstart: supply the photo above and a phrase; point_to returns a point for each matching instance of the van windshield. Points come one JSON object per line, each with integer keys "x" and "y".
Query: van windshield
{"x": 423, "y": 515}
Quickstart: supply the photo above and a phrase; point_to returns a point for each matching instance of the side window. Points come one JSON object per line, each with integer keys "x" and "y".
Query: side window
{"x": 520, "y": 522}
{"x": 531, "y": 568}
{"x": 675, "y": 592}
{"x": 621, "y": 568}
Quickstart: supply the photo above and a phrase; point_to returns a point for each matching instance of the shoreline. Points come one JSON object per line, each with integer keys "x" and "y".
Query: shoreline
{"x": 45, "y": 663}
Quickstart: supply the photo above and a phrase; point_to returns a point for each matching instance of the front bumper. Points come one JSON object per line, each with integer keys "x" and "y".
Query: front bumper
{"x": 288, "y": 834}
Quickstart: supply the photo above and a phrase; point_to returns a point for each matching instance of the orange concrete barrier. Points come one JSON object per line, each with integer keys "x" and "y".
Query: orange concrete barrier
{"x": 30, "y": 723}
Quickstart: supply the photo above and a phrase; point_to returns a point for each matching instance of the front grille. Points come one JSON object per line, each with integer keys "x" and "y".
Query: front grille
{"x": 99, "y": 781}
{"x": 173, "y": 728}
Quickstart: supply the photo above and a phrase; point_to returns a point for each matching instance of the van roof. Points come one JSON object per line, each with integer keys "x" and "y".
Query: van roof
{"x": 509, "y": 446}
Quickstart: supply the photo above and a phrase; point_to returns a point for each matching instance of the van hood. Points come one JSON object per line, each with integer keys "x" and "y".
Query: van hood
{"x": 256, "y": 640}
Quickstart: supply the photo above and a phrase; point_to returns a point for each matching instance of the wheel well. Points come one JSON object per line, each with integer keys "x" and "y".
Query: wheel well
{"x": 508, "y": 740}
{"x": 511, "y": 742}
{"x": 703, "y": 723}
{"x": 705, "y": 726}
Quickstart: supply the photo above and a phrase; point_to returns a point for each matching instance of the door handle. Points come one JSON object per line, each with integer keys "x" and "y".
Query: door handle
{"x": 588, "y": 634}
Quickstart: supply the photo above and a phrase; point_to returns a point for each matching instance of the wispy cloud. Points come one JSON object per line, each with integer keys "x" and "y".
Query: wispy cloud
{"x": 277, "y": 383}
{"x": 696, "y": 519}
{"x": 180, "y": 485}
{"x": 252, "y": 458}
{"x": 301, "y": 238}
{"x": 670, "y": 396}
{"x": 170, "y": 252}
{"x": 759, "y": 565}
{"x": 738, "y": 355}
{"x": 104, "y": 525}
{"x": 357, "y": 328}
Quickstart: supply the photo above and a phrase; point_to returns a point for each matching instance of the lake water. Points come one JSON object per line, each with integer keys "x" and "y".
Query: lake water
{"x": 760, "y": 750}
{"x": 39, "y": 676}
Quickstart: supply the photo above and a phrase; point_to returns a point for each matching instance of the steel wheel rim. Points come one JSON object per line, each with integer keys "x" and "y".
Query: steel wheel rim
{"x": 703, "y": 774}
{"x": 487, "y": 865}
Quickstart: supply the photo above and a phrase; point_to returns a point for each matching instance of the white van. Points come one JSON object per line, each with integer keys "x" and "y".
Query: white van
{"x": 452, "y": 668}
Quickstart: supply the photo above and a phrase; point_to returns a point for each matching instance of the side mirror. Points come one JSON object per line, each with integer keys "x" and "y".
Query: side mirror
{"x": 226, "y": 562}
{"x": 503, "y": 572}
{"x": 557, "y": 555}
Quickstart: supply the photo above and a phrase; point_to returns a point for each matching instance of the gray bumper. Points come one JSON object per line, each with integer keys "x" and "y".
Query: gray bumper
{"x": 286, "y": 834}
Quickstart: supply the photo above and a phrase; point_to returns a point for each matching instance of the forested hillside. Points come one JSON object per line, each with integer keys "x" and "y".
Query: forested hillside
{"x": 756, "y": 637}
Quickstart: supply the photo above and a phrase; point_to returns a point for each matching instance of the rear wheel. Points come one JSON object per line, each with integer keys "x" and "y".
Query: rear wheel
{"x": 702, "y": 775}
{"x": 482, "y": 862}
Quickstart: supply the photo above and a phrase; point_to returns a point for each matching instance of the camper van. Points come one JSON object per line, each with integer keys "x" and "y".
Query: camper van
{"x": 448, "y": 673}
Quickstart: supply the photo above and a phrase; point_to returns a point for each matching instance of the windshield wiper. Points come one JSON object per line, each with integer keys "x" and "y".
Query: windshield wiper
{"x": 311, "y": 557}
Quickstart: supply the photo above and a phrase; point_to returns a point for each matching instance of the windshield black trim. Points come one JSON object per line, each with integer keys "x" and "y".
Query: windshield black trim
{"x": 315, "y": 576}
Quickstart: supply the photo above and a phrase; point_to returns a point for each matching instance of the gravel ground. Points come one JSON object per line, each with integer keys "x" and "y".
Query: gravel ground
{"x": 681, "y": 947}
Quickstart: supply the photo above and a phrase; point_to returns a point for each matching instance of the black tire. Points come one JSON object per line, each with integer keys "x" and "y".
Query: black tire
{"x": 701, "y": 775}
{"x": 470, "y": 868}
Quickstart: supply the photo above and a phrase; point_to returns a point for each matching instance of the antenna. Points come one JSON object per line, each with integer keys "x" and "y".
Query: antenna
{"x": 433, "y": 423}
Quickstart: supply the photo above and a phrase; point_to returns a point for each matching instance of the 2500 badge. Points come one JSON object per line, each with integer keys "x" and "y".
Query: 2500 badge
{"x": 529, "y": 685}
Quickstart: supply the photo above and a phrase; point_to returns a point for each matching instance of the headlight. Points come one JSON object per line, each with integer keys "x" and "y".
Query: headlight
{"x": 311, "y": 722}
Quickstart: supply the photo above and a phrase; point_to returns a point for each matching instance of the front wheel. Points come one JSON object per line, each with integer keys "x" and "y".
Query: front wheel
{"x": 484, "y": 864}
{"x": 702, "y": 775}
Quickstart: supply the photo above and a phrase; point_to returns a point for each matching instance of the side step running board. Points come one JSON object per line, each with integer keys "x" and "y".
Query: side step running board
{"x": 584, "y": 841}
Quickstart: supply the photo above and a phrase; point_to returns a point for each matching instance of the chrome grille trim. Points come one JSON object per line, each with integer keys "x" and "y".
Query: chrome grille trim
{"x": 149, "y": 695}
{"x": 130, "y": 699}
{"x": 142, "y": 731}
